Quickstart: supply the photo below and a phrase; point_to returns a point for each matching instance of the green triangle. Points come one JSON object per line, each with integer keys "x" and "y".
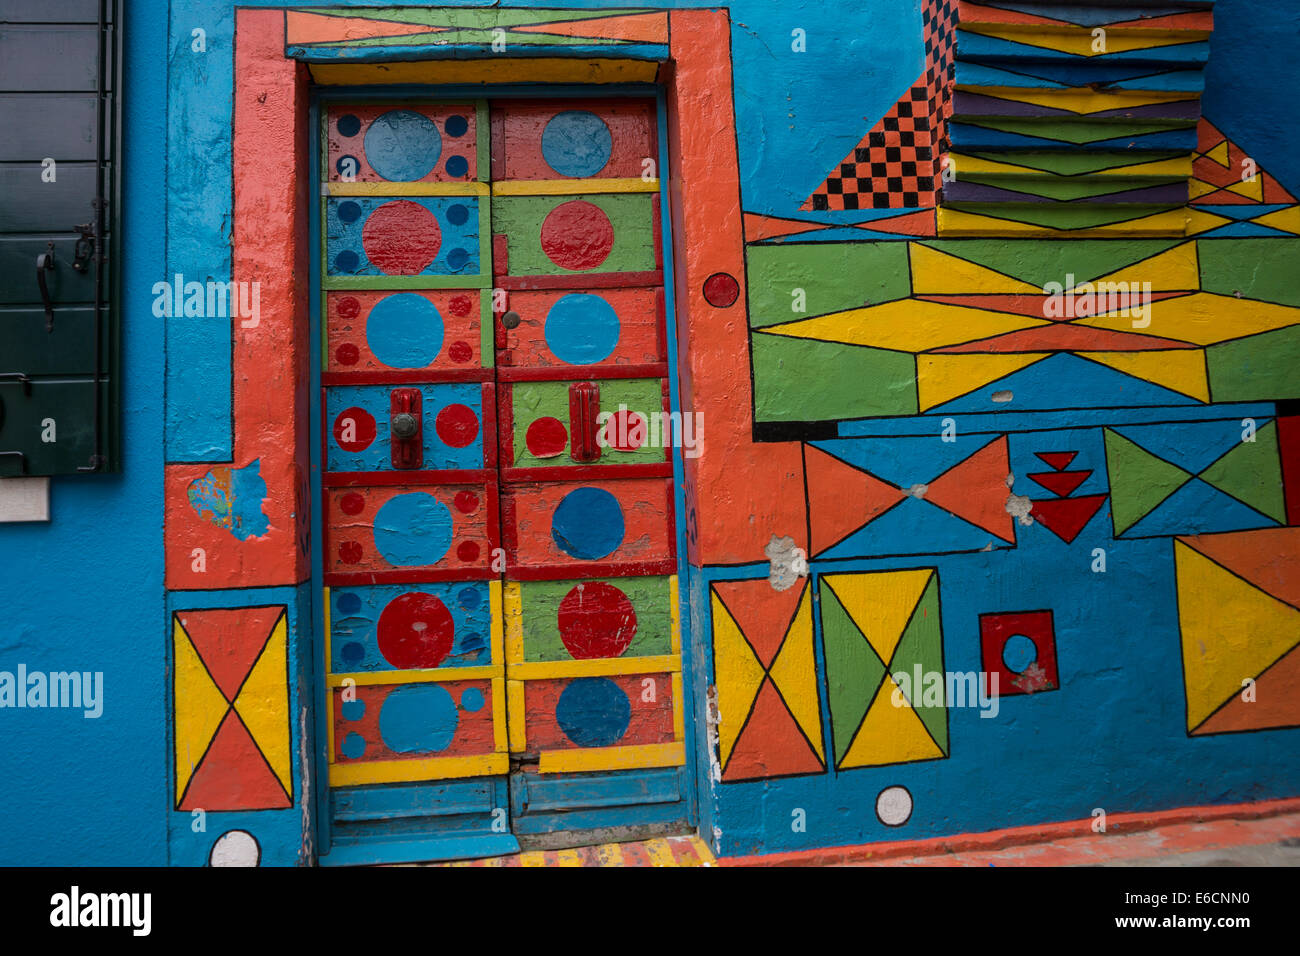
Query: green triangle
{"x": 1138, "y": 480}
{"x": 1072, "y": 163}
{"x": 1076, "y": 131}
{"x": 1252, "y": 473}
{"x": 853, "y": 670}
{"x": 922, "y": 643}
{"x": 1062, "y": 215}
{"x": 1068, "y": 189}
{"x": 1039, "y": 261}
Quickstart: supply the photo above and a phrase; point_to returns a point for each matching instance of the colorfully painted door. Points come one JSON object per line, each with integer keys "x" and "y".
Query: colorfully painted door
{"x": 502, "y": 642}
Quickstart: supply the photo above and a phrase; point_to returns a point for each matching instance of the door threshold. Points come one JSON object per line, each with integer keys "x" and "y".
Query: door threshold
{"x": 687, "y": 850}
{"x": 421, "y": 850}
{"x": 571, "y": 839}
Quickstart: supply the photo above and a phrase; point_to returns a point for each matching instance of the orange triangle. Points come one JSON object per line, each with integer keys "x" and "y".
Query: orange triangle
{"x": 1269, "y": 558}
{"x": 229, "y": 640}
{"x": 233, "y": 774}
{"x": 1275, "y": 703}
{"x": 978, "y": 13}
{"x": 762, "y": 613}
{"x": 842, "y": 498}
{"x": 771, "y": 745}
{"x": 1200, "y": 20}
{"x": 1207, "y": 136}
{"x": 975, "y": 490}
{"x": 1221, "y": 197}
{"x": 639, "y": 27}
{"x": 304, "y": 28}
{"x": 1067, "y": 338}
{"x": 770, "y": 227}
{"x": 1273, "y": 191}
{"x": 1207, "y": 170}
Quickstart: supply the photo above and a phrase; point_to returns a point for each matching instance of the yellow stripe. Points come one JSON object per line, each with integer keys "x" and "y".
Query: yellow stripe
{"x": 431, "y": 768}
{"x": 675, "y": 606}
{"x": 515, "y": 712}
{"x": 406, "y": 189}
{"x": 660, "y": 853}
{"x": 570, "y": 187}
{"x": 500, "y": 733}
{"x": 679, "y": 728}
{"x": 418, "y": 676}
{"x": 684, "y": 850}
{"x": 514, "y": 623}
{"x": 494, "y": 598}
{"x": 532, "y": 858}
{"x": 611, "y": 854}
{"x": 568, "y": 858}
{"x": 612, "y": 758}
{"x": 598, "y": 667}
{"x": 703, "y": 852}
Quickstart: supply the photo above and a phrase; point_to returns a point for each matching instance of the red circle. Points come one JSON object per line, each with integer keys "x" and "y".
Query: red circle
{"x": 359, "y": 424}
{"x": 460, "y": 305}
{"x": 546, "y": 437}
{"x": 350, "y": 552}
{"x": 347, "y": 354}
{"x": 401, "y": 238}
{"x": 348, "y": 307}
{"x": 467, "y": 551}
{"x": 596, "y": 620}
{"x": 457, "y": 425}
{"x": 460, "y": 352}
{"x": 625, "y": 431}
{"x": 352, "y": 503}
{"x": 577, "y": 235}
{"x": 415, "y": 630}
{"x": 467, "y": 502}
{"x": 721, "y": 290}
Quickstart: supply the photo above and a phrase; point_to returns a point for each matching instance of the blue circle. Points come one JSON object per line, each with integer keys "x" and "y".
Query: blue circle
{"x": 582, "y": 329}
{"x": 353, "y": 709}
{"x": 405, "y": 330}
{"x": 593, "y": 712}
{"x": 348, "y": 125}
{"x": 346, "y": 261}
{"x": 576, "y": 143}
{"x": 456, "y": 125}
{"x": 472, "y": 700}
{"x": 1018, "y": 653}
{"x": 413, "y": 529}
{"x": 588, "y": 524}
{"x": 354, "y": 746}
{"x": 418, "y": 719}
{"x": 457, "y": 214}
{"x": 402, "y": 145}
{"x": 457, "y": 166}
{"x": 469, "y": 599}
{"x": 349, "y": 211}
{"x": 347, "y": 166}
{"x": 348, "y": 603}
{"x": 456, "y": 259}
{"x": 353, "y": 652}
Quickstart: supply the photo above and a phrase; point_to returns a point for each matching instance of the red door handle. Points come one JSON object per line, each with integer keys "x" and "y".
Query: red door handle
{"x": 584, "y": 407}
{"x": 406, "y": 427}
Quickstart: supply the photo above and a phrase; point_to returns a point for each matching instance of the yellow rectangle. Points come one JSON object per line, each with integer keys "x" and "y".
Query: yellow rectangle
{"x": 514, "y": 623}
{"x": 612, "y": 758}
{"x": 572, "y": 187}
{"x": 597, "y": 667}
{"x": 431, "y": 768}
{"x": 406, "y": 189}
{"x": 498, "y": 644}
{"x": 515, "y": 715}
{"x": 416, "y": 676}
{"x": 679, "y": 724}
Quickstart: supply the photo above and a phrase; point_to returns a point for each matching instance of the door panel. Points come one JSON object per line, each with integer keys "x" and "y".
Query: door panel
{"x": 564, "y": 138}
{"x": 564, "y": 328}
{"x": 590, "y": 233}
{"x": 449, "y": 431}
{"x": 406, "y": 333}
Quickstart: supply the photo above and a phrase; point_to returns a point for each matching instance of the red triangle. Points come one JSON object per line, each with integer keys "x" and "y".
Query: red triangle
{"x": 233, "y": 774}
{"x": 1068, "y": 337}
{"x": 1273, "y": 191}
{"x": 975, "y": 490}
{"x": 771, "y": 745}
{"x": 1207, "y": 136}
{"x": 759, "y": 227}
{"x": 842, "y": 498}
{"x": 1275, "y": 703}
{"x": 1063, "y": 483}
{"x": 762, "y": 613}
{"x": 1059, "y": 460}
{"x": 229, "y": 640}
{"x": 1066, "y": 517}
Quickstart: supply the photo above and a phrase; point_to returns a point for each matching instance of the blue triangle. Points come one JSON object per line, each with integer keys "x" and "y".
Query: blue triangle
{"x": 1242, "y": 211}
{"x": 1242, "y": 230}
{"x": 913, "y": 526}
{"x": 1064, "y": 381}
{"x": 1197, "y": 508}
{"x": 905, "y": 462}
{"x": 1192, "y": 446}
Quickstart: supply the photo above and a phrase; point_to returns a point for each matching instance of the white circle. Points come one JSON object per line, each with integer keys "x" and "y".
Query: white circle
{"x": 235, "y": 848}
{"x": 894, "y": 806}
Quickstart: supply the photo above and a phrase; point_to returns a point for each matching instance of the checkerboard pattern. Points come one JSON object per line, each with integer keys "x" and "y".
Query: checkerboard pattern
{"x": 896, "y": 166}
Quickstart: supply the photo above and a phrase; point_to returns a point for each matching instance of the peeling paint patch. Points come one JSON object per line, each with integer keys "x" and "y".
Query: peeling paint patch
{"x": 1019, "y": 506}
{"x": 232, "y": 498}
{"x": 789, "y": 563}
{"x": 1002, "y": 397}
{"x": 918, "y": 491}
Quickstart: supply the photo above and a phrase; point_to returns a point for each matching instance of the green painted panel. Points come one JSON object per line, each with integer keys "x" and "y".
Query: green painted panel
{"x": 1058, "y": 216}
{"x": 631, "y": 215}
{"x": 922, "y": 644}
{"x": 1252, "y": 473}
{"x": 1138, "y": 480}
{"x": 832, "y": 277}
{"x": 1079, "y": 132}
{"x": 651, "y": 603}
{"x": 473, "y": 19}
{"x": 52, "y": 426}
{"x": 58, "y": 125}
{"x": 853, "y": 670}
{"x": 533, "y": 400}
{"x": 1262, "y": 368}
{"x": 1255, "y": 268}
{"x": 1068, "y": 189}
{"x": 1073, "y": 162}
{"x": 852, "y": 381}
{"x": 1040, "y": 261}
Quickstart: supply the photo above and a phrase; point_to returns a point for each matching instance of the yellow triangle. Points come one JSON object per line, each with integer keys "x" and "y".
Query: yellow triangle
{"x": 1219, "y": 154}
{"x": 795, "y": 674}
{"x": 1230, "y": 631}
{"x": 941, "y": 378}
{"x": 1288, "y": 220}
{"x": 1198, "y": 188}
{"x": 880, "y": 603}
{"x": 908, "y": 325}
{"x": 1199, "y": 222}
{"x": 737, "y": 675}
{"x": 1174, "y": 270}
{"x": 263, "y": 703}
{"x": 1204, "y": 318}
{"x": 199, "y": 706}
{"x": 936, "y": 273}
{"x": 890, "y": 734}
{"x": 1179, "y": 370}
{"x": 1079, "y": 41}
{"x": 1251, "y": 190}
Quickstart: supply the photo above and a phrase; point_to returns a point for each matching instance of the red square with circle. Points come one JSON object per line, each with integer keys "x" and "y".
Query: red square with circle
{"x": 1020, "y": 648}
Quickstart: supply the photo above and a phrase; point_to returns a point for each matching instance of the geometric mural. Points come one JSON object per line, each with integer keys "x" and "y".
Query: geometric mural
{"x": 1239, "y": 612}
{"x": 231, "y": 709}
{"x": 1019, "y": 648}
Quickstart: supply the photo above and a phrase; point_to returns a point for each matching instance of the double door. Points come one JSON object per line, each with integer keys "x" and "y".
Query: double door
{"x": 502, "y": 632}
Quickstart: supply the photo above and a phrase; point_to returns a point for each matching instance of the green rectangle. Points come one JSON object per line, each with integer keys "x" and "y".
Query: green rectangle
{"x": 651, "y": 617}
{"x": 533, "y": 400}
{"x": 631, "y": 215}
